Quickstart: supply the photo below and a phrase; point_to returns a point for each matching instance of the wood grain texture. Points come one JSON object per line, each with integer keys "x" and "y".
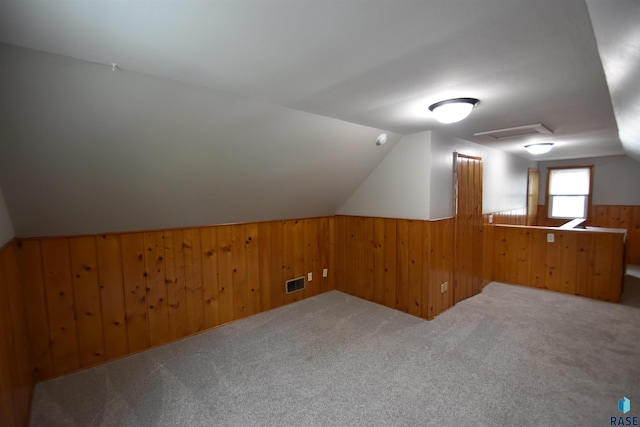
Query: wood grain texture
{"x": 114, "y": 312}
{"x": 176, "y": 284}
{"x": 17, "y": 378}
{"x": 578, "y": 262}
{"x": 96, "y": 298}
{"x": 135, "y": 293}
{"x": 88, "y": 306}
{"x": 192, "y": 252}
{"x": 398, "y": 263}
{"x": 156, "y": 287}
{"x": 441, "y": 252}
{"x": 63, "y": 328}
{"x": 610, "y": 216}
{"x": 469, "y": 237}
{"x": 31, "y": 278}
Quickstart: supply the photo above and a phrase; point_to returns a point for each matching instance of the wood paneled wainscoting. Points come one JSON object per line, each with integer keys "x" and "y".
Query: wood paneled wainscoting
{"x": 90, "y": 299}
{"x": 16, "y": 381}
{"x": 578, "y": 262}
{"x": 396, "y": 262}
{"x": 612, "y": 216}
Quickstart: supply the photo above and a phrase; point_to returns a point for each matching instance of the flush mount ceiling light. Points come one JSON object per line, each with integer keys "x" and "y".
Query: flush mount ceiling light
{"x": 539, "y": 148}
{"x": 453, "y": 110}
{"x": 382, "y": 138}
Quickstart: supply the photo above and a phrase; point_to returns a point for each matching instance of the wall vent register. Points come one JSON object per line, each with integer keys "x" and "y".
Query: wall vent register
{"x": 294, "y": 285}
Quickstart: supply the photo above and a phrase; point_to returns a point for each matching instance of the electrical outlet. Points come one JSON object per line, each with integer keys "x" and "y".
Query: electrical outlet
{"x": 325, "y": 272}
{"x": 309, "y": 277}
{"x": 551, "y": 237}
{"x": 490, "y": 218}
{"x": 443, "y": 287}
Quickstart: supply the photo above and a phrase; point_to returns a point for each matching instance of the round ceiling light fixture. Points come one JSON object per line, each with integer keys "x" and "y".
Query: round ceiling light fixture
{"x": 381, "y": 139}
{"x": 453, "y": 110}
{"x": 539, "y": 148}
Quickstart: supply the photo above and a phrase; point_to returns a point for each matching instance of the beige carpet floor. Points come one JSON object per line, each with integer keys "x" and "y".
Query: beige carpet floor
{"x": 509, "y": 356}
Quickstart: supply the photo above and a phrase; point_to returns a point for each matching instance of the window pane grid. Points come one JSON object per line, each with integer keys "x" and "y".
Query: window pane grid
{"x": 569, "y": 182}
{"x": 569, "y": 192}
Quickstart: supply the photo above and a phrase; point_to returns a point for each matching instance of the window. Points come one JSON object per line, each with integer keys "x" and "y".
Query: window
{"x": 569, "y": 192}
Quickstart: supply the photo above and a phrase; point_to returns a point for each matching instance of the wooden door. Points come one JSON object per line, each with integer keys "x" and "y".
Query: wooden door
{"x": 468, "y": 254}
{"x": 533, "y": 183}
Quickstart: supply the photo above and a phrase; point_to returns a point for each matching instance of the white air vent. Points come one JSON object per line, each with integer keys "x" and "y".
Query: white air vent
{"x": 535, "y": 129}
{"x": 294, "y": 285}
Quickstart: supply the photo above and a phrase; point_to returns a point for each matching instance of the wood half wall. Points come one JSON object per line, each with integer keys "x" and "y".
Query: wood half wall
{"x": 16, "y": 381}
{"x": 612, "y": 216}
{"x": 90, "y": 299}
{"x": 577, "y": 262}
{"x": 398, "y": 263}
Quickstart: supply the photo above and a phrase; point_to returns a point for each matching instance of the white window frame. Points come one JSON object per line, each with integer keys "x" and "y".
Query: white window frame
{"x": 587, "y": 196}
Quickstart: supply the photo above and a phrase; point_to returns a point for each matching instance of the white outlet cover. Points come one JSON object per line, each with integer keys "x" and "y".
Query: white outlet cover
{"x": 325, "y": 272}
{"x": 309, "y": 277}
{"x": 551, "y": 238}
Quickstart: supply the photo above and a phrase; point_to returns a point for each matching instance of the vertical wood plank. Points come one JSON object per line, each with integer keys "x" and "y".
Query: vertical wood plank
{"x": 499, "y": 254}
{"x": 390, "y": 262}
{"x": 239, "y": 285}
{"x": 341, "y": 253}
{"x": 554, "y": 263}
{"x": 360, "y": 239}
{"x": 326, "y": 241}
{"x": 333, "y": 247}
{"x": 155, "y": 270}
{"x": 350, "y": 276}
{"x": 367, "y": 267}
{"x": 31, "y": 277}
{"x": 88, "y": 307}
{"x": 264, "y": 253}
{"x": 114, "y": 312}
{"x": 311, "y": 252}
{"x": 488, "y": 250}
{"x": 585, "y": 256}
{"x": 16, "y": 343}
{"x": 277, "y": 268}
{"x": 415, "y": 268}
{"x": 426, "y": 270}
{"x": 569, "y": 266}
{"x": 253, "y": 305}
{"x": 176, "y": 284}
{"x": 192, "y": 250}
{"x": 133, "y": 271}
{"x": 60, "y": 305}
{"x": 523, "y": 256}
{"x": 402, "y": 284}
{"x": 538, "y": 257}
{"x": 378, "y": 260}
{"x": 225, "y": 273}
{"x": 211, "y": 289}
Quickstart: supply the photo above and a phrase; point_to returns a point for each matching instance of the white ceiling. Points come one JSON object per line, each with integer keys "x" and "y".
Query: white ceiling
{"x": 375, "y": 63}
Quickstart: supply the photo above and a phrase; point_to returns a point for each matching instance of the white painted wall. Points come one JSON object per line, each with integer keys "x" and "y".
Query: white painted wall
{"x": 504, "y": 176}
{"x": 416, "y": 179}
{"x": 616, "y": 179}
{"x": 84, "y": 149}
{"x": 399, "y": 186}
{"x": 6, "y": 227}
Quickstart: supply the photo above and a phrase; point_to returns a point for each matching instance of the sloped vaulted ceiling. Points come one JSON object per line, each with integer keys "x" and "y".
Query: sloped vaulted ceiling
{"x": 616, "y": 25}
{"x": 85, "y": 149}
{"x": 240, "y": 110}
